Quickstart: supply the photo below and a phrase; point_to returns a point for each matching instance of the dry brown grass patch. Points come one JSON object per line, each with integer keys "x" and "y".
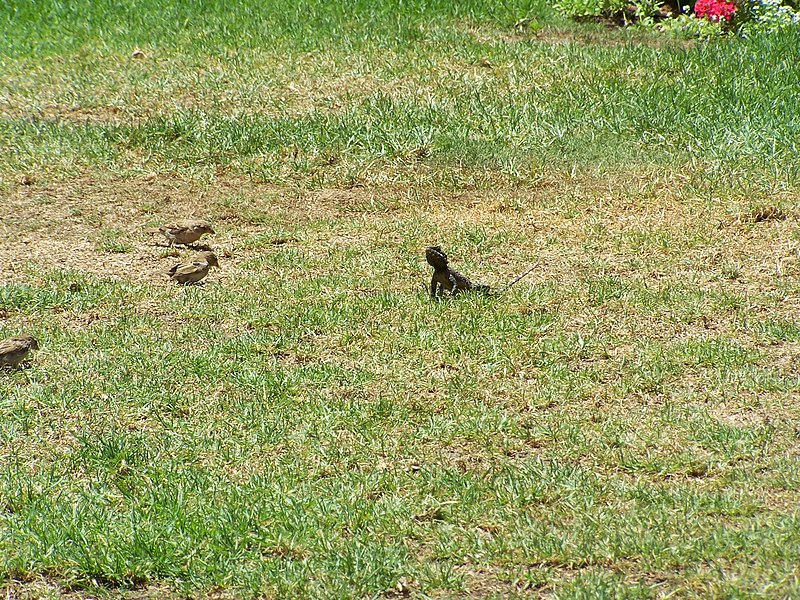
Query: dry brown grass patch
{"x": 40, "y": 587}
{"x": 575, "y": 229}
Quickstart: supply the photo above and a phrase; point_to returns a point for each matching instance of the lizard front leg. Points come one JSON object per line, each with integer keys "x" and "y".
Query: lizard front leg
{"x": 453, "y": 283}
{"x": 434, "y": 287}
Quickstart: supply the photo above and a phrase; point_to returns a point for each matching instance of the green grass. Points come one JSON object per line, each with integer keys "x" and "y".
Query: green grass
{"x": 242, "y": 89}
{"x": 307, "y": 423}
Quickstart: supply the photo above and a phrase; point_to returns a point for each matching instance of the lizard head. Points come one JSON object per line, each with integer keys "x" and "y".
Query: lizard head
{"x": 436, "y": 257}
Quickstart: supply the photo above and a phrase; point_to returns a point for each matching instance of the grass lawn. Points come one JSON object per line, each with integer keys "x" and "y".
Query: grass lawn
{"x": 622, "y": 423}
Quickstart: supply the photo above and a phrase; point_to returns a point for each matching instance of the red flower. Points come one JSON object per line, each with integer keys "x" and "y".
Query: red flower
{"x": 715, "y": 10}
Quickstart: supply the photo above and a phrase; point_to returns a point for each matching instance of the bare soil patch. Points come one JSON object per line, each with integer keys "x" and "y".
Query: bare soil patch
{"x": 61, "y": 226}
{"x": 40, "y": 586}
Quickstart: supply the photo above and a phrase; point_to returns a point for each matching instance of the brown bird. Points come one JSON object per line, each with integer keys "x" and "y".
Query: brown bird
{"x": 185, "y": 233}
{"x": 14, "y": 349}
{"x": 194, "y": 271}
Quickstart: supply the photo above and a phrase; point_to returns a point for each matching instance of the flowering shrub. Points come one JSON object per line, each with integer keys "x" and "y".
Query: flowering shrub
{"x": 589, "y": 8}
{"x": 688, "y": 25}
{"x": 708, "y": 19}
{"x": 767, "y": 15}
{"x": 715, "y": 10}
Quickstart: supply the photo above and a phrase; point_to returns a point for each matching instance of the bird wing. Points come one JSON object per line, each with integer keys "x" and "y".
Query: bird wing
{"x": 187, "y": 269}
{"x": 12, "y": 345}
{"x": 173, "y": 229}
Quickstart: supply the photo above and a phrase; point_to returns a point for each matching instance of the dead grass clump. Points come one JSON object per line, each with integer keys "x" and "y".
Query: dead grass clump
{"x": 767, "y": 213}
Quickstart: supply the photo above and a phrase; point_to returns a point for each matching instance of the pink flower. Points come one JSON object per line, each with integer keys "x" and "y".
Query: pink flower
{"x": 715, "y": 10}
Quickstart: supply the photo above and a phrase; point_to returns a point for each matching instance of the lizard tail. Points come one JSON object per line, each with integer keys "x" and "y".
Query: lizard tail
{"x": 517, "y": 279}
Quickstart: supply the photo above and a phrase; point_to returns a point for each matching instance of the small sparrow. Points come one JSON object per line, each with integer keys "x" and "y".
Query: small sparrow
{"x": 14, "y": 349}
{"x": 186, "y": 233}
{"x": 194, "y": 271}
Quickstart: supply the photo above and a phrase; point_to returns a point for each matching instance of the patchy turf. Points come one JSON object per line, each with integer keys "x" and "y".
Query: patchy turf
{"x": 306, "y": 423}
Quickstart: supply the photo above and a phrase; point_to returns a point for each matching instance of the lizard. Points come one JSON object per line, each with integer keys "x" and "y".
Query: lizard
{"x": 446, "y": 279}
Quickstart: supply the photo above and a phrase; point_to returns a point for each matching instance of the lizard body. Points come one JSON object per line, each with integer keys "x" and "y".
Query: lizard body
{"x": 445, "y": 279}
